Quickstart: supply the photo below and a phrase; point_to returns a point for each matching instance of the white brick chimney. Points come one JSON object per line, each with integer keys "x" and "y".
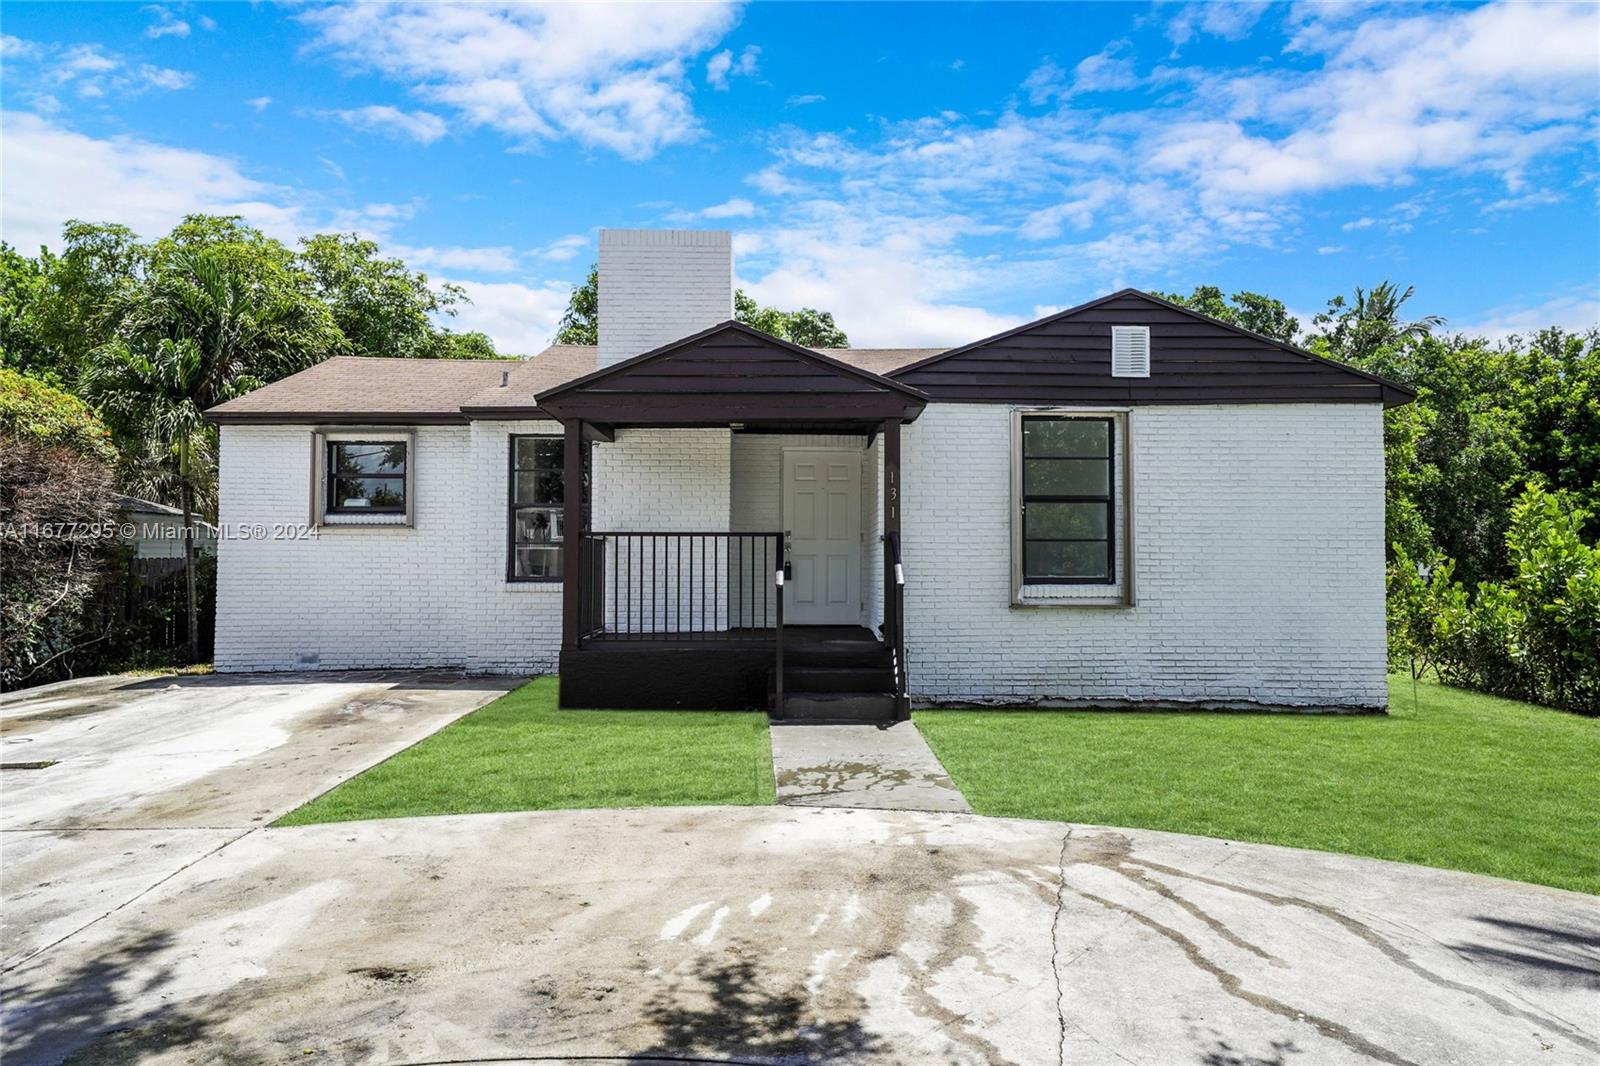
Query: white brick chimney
{"x": 657, "y": 285}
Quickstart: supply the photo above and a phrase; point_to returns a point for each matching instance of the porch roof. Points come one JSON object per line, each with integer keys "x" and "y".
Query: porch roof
{"x": 731, "y": 374}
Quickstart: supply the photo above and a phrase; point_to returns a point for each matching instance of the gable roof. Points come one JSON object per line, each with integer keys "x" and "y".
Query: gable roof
{"x": 1066, "y": 358}
{"x": 733, "y": 369}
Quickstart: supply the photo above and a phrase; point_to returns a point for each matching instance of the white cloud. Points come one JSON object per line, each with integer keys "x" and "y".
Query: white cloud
{"x": 1330, "y": 249}
{"x": 1219, "y": 18}
{"x": 495, "y": 260}
{"x": 1365, "y": 222}
{"x": 804, "y": 100}
{"x": 606, "y": 76}
{"x": 723, "y": 65}
{"x": 258, "y": 103}
{"x": 1393, "y": 97}
{"x": 520, "y": 319}
{"x": 1578, "y": 311}
{"x": 424, "y": 127}
{"x": 1539, "y": 198}
{"x": 54, "y": 173}
{"x": 166, "y": 23}
{"x": 88, "y": 69}
{"x": 735, "y": 208}
{"x": 16, "y": 48}
{"x": 1109, "y": 69}
{"x": 563, "y": 249}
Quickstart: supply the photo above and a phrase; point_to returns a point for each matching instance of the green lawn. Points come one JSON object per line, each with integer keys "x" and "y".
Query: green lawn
{"x": 1461, "y": 780}
{"x": 520, "y": 753}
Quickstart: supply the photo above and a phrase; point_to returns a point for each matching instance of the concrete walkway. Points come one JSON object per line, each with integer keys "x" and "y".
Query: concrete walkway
{"x": 799, "y": 935}
{"x": 889, "y": 768}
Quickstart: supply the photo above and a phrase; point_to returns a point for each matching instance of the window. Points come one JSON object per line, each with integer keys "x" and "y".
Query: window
{"x": 366, "y": 477}
{"x": 1067, "y": 490}
{"x": 537, "y": 517}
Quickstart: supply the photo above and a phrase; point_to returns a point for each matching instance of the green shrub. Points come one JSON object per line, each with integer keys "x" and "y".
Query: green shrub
{"x": 1534, "y": 636}
{"x": 31, "y": 410}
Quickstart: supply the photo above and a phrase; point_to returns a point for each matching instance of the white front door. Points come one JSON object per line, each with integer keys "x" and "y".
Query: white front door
{"x": 822, "y": 515}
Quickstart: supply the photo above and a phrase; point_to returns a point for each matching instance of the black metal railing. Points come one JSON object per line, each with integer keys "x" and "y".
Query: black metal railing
{"x": 895, "y": 583}
{"x": 680, "y": 586}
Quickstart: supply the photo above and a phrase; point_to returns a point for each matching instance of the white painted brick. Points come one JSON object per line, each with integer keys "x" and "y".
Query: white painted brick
{"x": 433, "y": 595}
{"x": 657, "y": 286}
{"x": 1259, "y": 556}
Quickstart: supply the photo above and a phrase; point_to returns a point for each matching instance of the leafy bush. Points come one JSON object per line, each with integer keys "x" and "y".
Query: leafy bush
{"x": 1533, "y": 636}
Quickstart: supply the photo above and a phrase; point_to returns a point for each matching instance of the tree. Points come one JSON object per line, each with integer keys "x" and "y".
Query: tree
{"x": 203, "y": 327}
{"x": 808, "y": 327}
{"x": 56, "y": 511}
{"x": 1247, "y": 310}
{"x": 580, "y": 323}
{"x": 1356, "y": 331}
{"x": 382, "y": 307}
{"x": 56, "y": 309}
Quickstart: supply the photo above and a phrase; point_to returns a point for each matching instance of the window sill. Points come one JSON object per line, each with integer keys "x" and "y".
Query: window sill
{"x": 554, "y": 585}
{"x": 1027, "y": 602}
{"x": 359, "y": 521}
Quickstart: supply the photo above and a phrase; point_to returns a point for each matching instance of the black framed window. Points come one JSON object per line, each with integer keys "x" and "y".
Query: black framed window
{"x": 366, "y": 477}
{"x": 537, "y": 519}
{"x": 1068, "y": 482}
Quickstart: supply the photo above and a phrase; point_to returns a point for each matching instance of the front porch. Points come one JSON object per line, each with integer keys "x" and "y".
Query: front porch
{"x": 733, "y": 532}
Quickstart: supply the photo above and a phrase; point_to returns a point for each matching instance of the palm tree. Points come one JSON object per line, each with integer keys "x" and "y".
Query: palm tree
{"x": 1372, "y": 322}
{"x": 194, "y": 334}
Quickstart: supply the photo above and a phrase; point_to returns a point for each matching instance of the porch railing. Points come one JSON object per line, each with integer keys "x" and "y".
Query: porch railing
{"x": 895, "y": 583}
{"x": 681, "y": 586}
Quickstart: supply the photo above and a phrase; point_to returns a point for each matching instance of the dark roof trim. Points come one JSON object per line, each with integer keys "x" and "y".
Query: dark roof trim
{"x": 827, "y": 362}
{"x": 1402, "y": 393}
{"x": 335, "y": 418}
{"x": 506, "y": 414}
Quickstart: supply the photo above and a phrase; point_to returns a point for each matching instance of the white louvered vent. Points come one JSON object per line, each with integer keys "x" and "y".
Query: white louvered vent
{"x": 1130, "y": 351}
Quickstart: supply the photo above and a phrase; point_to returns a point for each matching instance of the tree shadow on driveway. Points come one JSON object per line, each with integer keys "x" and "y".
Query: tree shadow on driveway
{"x": 81, "y": 1013}
{"x": 729, "y": 1012}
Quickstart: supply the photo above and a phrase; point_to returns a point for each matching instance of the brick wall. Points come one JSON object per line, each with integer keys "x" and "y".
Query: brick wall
{"x": 430, "y": 595}
{"x": 1259, "y": 564}
{"x": 655, "y": 480}
{"x": 658, "y": 286}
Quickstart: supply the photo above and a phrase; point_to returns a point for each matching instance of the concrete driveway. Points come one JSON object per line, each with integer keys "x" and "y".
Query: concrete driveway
{"x": 787, "y": 934}
{"x": 151, "y": 774}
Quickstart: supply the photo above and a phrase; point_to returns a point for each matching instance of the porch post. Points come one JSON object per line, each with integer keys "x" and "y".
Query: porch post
{"x": 893, "y": 601}
{"x": 573, "y": 509}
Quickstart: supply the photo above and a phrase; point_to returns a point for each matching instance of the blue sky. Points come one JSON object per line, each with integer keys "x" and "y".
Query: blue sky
{"x": 930, "y": 173}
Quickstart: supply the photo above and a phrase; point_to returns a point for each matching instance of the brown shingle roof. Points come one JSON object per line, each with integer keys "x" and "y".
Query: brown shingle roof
{"x": 357, "y": 389}
{"x": 354, "y": 388}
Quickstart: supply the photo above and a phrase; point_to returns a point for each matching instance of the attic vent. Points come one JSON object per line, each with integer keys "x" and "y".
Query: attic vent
{"x": 1130, "y": 351}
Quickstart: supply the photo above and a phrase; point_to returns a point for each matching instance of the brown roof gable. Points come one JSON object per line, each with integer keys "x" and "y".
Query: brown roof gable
{"x": 732, "y": 370}
{"x": 1066, "y": 358}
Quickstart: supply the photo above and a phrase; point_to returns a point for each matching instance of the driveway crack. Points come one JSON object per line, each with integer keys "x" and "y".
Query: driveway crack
{"x": 130, "y": 900}
{"x": 1055, "y": 947}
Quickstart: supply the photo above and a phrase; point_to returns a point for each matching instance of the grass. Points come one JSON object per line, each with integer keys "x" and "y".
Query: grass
{"x": 521, "y": 753}
{"x": 1461, "y": 780}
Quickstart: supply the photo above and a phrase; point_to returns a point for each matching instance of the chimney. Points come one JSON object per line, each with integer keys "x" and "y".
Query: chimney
{"x": 657, "y": 285}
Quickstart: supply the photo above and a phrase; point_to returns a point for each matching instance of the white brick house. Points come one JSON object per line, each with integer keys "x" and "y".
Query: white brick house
{"x": 1122, "y": 504}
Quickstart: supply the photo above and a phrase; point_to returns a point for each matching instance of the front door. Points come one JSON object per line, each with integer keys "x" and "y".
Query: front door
{"x": 822, "y": 515}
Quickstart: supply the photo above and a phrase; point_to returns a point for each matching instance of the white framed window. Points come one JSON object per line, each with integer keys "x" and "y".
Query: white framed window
{"x": 363, "y": 477}
{"x": 1072, "y": 527}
